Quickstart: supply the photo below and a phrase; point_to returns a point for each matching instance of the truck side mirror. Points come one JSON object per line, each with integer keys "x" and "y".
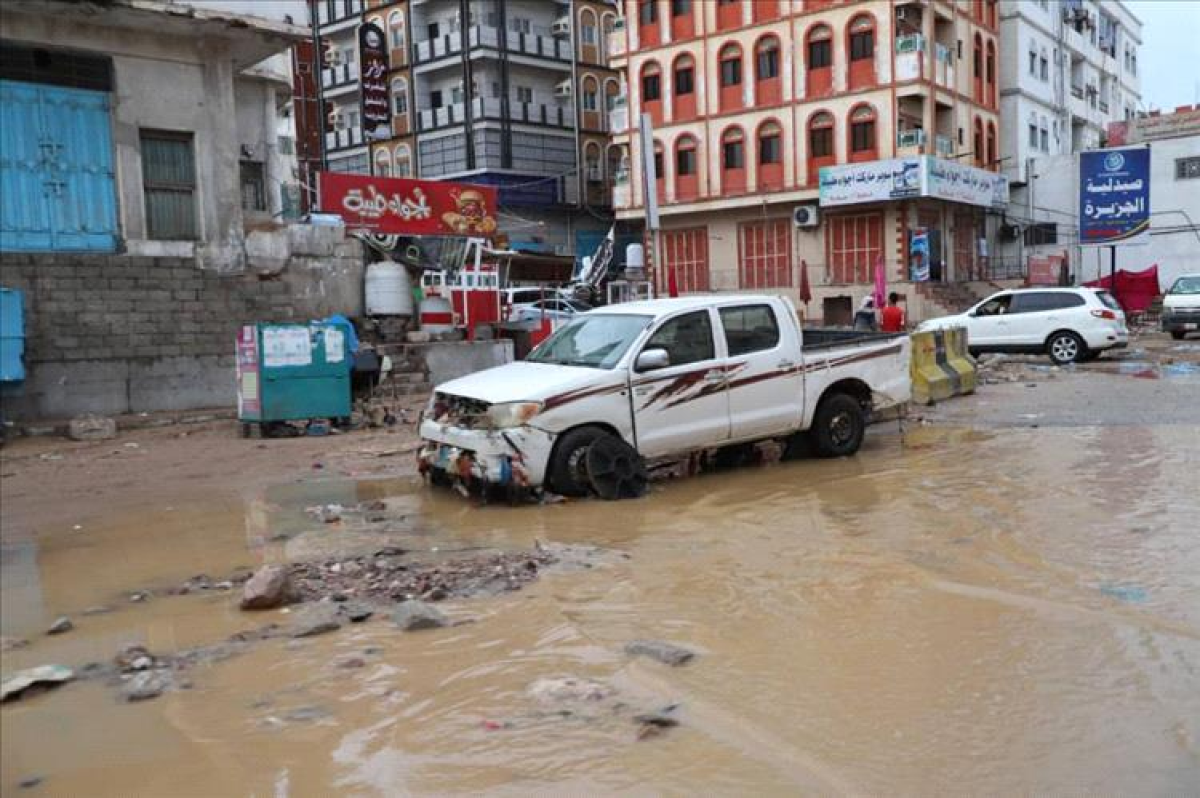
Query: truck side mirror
{"x": 652, "y": 359}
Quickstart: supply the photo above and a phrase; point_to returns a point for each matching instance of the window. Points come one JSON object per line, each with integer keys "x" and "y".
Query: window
{"x": 383, "y": 163}
{"x": 433, "y": 30}
{"x": 862, "y": 129}
{"x": 765, "y": 254}
{"x": 685, "y": 157}
{"x": 686, "y": 251}
{"x": 687, "y": 338}
{"x": 524, "y": 94}
{"x": 396, "y": 26}
{"x": 1033, "y": 62}
{"x": 435, "y": 98}
{"x": 862, "y": 39}
{"x": 769, "y": 148}
{"x": 1040, "y": 301}
{"x": 169, "y": 184}
{"x": 733, "y": 151}
{"x": 588, "y": 34}
{"x": 651, "y": 87}
{"x": 1041, "y": 233}
{"x": 1187, "y": 168}
{"x": 749, "y": 328}
{"x": 1033, "y": 135}
{"x": 820, "y": 136}
{"x": 855, "y": 244}
{"x": 995, "y": 307}
{"x": 647, "y": 12}
{"x": 820, "y": 48}
{"x": 731, "y": 66}
{"x": 520, "y": 25}
{"x": 681, "y": 8}
{"x": 684, "y": 78}
{"x": 767, "y": 58}
{"x": 254, "y": 187}
{"x": 1045, "y": 137}
{"x": 1044, "y": 66}
{"x": 659, "y": 172}
{"x": 591, "y": 94}
{"x": 400, "y": 97}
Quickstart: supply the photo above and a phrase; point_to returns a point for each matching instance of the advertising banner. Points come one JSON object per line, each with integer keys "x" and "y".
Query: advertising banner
{"x": 1114, "y": 196}
{"x": 918, "y": 176}
{"x": 918, "y": 255}
{"x": 373, "y": 77}
{"x": 401, "y": 206}
{"x": 958, "y": 182}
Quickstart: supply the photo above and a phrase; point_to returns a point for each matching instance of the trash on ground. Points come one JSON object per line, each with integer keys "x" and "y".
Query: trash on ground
{"x": 42, "y": 677}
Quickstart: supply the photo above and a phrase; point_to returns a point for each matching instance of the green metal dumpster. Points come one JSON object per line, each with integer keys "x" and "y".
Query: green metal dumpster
{"x": 292, "y": 372}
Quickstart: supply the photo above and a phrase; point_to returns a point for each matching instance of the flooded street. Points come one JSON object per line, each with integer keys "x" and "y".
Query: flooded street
{"x": 1012, "y": 608}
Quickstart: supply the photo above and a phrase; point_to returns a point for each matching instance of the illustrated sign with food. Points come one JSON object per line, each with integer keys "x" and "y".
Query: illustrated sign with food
{"x": 397, "y": 205}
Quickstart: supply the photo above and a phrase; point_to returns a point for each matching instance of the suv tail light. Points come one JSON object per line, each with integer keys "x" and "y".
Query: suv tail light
{"x": 1105, "y": 314}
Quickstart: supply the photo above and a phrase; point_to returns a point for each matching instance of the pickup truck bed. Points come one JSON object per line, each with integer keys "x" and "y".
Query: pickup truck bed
{"x": 826, "y": 337}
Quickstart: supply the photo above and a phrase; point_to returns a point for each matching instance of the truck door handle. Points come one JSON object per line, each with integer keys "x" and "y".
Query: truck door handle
{"x": 784, "y": 364}
{"x": 716, "y": 375}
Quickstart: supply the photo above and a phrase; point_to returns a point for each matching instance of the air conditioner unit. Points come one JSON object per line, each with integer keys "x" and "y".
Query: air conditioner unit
{"x": 563, "y": 89}
{"x": 337, "y": 120}
{"x": 561, "y": 27}
{"x": 805, "y": 216}
{"x": 333, "y": 57}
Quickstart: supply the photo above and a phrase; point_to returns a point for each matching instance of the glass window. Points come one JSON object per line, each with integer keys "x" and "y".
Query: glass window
{"x": 1033, "y": 63}
{"x": 687, "y": 339}
{"x": 593, "y": 341}
{"x": 862, "y": 46}
{"x": 1033, "y": 135}
{"x": 768, "y": 60}
{"x": 254, "y": 186}
{"x": 589, "y": 34}
{"x": 731, "y": 71}
{"x": 524, "y": 94}
{"x": 684, "y": 80}
{"x": 820, "y": 54}
{"x": 1041, "y": 301}
{"x": 680, "y": 8}
{"x": 862, "y": 136}
{"x": 1045, "y": 140}
{"x": 820, "y": 142}
{"x": 685, "y": 160}
{"x": 651, "y": 88}
{"x": 1187, "y": 168}
{"x": 659, "y": 173}
{"x": 769, "y": 150}
{"x": 749, "y": 328}
{"x": 1109, "y": 301}
{"x": 169, "y": 185}
{"x": 648, "y": 12}
{"x": 733, "y": 155}
{"x": 996, "y": 306}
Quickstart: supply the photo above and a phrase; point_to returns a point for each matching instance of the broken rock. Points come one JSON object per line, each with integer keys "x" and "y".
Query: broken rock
{"x": 60, "y": 626}
{"x": 666, "y": 653}
{"x": 316, "y": 620}
{"x": 92, "y": 428}
{"x": 43, "y": 676}
{"x": 267, "y": 589}
{"x": 145, "y": 685}
{"x": 412, "y": 616}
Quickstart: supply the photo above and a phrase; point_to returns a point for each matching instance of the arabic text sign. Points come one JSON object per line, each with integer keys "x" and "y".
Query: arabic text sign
{"x": 1114, "y": 196}
{"x": 396, "y": 205}
{"x": 873, "y": 181}
{"x": 958, "y": 182}
{"x": 373, "y": 77}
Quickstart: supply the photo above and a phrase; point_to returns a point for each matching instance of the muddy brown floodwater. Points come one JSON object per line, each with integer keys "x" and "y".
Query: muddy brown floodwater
{"x": 954, "y": 610}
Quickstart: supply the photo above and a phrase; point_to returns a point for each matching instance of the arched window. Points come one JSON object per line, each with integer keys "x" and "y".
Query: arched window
{"x": 762, "y": 10}
{"x": 616, "y": 171}
{"x": 396, "y": 32}
{"x": 648, "y": 30}
{"x": 683, "y": 23}
{"x": 403, "y": 161}
{"x": 383, "y": 163}
{"x": 977, "y": 67}
{"x": 591, "y": 160}
{"x": 861, "y": 46}
{"x": 651, "y": 83}
{"x": 588, "y": 34}
{"x": 818, "y": 52}
{"x": 687, "y": 168}
{"x": 660, "y": 171}
{"x": 770, "y": 156}
{"x": 400, "y": 97}
{"x": 733, "y": 160}
{"x": 731, "y": 77}
{"x": 767, "y": 83}
{"x": 991, "y": 146}
{"x": 863, "y": 142}
{"x": 729, "y": 14}
{"x": 612, "y": 91}
{"x": 683, "y": 83}
{"x": 591, "y": 94}
{"x": 820, "y": 144}
{"x": 608, "y": 21}
{"x": 979, "y": 153}
{"x": 991, "y": 73}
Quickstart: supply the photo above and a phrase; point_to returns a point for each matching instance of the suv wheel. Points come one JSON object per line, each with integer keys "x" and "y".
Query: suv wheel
{"x": 1065, "y": 347}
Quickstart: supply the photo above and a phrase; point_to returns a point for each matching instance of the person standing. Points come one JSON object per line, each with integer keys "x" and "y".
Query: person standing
{"x": 892, "y": 317}
{"x": 864, "y": 318}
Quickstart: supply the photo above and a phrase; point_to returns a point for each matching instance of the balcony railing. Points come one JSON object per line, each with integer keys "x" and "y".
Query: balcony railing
{"x": 618, "y": 120}
{"x": 616, "y": 44}
{"x": 343, "y": 139}
{"x": 539, "y": 46}
{"x": 338, "y": 75}
{"x": 910, "y": 43}
{"x": 493, "y": 108}
{"x": 943, "y": 146}
{"x": 910, "y": 138}
{"x": 532, "y": 44}
{"x": 432, "y": 49}
{"x": 1077, "y": 92}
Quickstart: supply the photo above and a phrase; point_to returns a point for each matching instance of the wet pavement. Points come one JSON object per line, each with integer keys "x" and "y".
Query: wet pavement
{"x": 980, "y": 602}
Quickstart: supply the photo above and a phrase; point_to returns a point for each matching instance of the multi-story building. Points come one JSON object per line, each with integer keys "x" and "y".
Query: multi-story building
{"x": 1068, "y": 69}
{"x": 751, "y": 101}
{"x": 393, "y": 156}
{"x": 337, "y": 23}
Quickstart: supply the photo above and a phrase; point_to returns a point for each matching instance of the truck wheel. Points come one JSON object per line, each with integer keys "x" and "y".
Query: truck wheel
{"x": 567, "y": 472}
{"x": 839, "y": 426}
{"x": 1065, "y": 347}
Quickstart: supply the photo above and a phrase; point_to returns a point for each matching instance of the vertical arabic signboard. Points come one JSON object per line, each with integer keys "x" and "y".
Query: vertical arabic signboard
{"x": 373, "y": 74}
{"x": 1114, "y": 196}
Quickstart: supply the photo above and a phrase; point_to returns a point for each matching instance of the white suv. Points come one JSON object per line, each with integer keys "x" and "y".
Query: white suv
{"x": 1068, "y": 324}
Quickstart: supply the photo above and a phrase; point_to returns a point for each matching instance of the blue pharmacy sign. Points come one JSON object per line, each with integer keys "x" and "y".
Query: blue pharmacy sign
{"x": 1114, "y": 196}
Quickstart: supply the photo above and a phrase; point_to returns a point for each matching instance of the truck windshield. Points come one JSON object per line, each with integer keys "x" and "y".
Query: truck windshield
{"x": 1186, "y": 285}
{"x": 595, "y": 341}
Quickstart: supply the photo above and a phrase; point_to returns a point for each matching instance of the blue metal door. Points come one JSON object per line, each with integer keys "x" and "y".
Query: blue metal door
{"x": 56, "y": 174}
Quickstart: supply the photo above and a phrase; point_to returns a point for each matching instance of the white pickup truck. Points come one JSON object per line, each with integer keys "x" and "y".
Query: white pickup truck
{"x": 666, "y": 377}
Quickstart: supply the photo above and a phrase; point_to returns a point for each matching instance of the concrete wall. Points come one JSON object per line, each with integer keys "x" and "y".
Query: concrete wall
{"x": 120, "y": 334}
{"x": 449, "y": 361}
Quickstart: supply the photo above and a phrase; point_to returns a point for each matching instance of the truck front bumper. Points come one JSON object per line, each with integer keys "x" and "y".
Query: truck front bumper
{"x": 1181, "y": 320}
{"x": 509, "y": 457}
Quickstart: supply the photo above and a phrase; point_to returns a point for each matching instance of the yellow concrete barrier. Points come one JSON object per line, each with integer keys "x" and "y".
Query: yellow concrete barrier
{"x": 930, "y": 383}
{"x": 960, "y": 360}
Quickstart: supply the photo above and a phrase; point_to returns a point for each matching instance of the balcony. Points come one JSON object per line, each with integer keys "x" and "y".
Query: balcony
{"x": 432, "y": 49}
{"x": 343, "y": 139}
{"x": 539, "y": 46}
{"x": 493, "y": 108}
{"x": 618, "y": 118}
{"x": 530, "y": 44}
{"x": 341, "y": 75}
{"x": 943, "y": 146}
{"x": 943, "y": 66}
{"x": 910, "y": 139}
{"x": 616, "y": 44}
{"x": 1077, "y": 92}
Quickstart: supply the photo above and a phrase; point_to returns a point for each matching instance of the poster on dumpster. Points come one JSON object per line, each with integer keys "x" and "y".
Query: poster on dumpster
{"x": 335, "y": 345}
{"x": 402, "y": 206}
{"x": 248, "y": 399}
{"x": 373, "y": 80}
{"x": 286, "y": 346}
{"x": 1114, "y": 196}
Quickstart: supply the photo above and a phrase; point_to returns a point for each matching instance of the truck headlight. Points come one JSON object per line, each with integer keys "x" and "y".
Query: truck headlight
{"x": 512, "y": 414}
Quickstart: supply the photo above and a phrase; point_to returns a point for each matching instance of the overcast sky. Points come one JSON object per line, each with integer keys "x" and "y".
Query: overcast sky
{"x": 1170, "y": 66}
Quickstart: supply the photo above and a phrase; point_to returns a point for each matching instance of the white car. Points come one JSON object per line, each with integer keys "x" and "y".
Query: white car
{"x": 1071, "y": 325}
{"x": 556, "y": 309}
{"x": 1181, "y": 307}
{"x": 660, "y": 379}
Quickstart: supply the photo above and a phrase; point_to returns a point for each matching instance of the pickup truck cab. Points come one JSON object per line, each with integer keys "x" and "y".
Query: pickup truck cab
{"x": 667, "y": 377}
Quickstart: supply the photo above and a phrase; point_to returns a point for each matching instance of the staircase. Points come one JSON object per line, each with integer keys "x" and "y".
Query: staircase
{"x": 407, "y": 383}
{"x": 950, "y": 298}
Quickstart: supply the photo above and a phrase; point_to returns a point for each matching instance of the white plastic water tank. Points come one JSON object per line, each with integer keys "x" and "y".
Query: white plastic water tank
{"x": 389, "y": 290}
{"x": 635, "y": 257}
{"x": 437, "y": 314}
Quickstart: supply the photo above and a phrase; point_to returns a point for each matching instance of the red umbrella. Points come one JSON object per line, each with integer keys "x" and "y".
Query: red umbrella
{"x": 805, "y": 289}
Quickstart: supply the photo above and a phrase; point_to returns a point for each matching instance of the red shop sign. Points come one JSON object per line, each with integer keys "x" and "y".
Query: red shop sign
{"x": 409, "y": 207}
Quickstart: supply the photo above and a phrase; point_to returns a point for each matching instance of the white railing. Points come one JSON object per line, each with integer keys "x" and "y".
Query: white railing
{"x": 910, "y": 43}
{"x": 943, "y": 146}
{"x": 337, "y": 75}
{"x": 618, "y": 120}
{"x": 616, "y": 44}
{"x": 910, "y": 138}
{"x": 341, "y": 139}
